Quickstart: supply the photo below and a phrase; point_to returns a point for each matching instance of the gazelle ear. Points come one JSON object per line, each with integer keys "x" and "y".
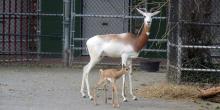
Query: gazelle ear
{"x": 155, "y": 13}
{"x": 141, "y": 12}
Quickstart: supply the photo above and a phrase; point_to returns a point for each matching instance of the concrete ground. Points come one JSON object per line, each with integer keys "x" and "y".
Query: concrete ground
{"x": 57, "y": 88}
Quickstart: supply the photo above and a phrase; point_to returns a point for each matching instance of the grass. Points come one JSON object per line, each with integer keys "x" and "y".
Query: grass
{"x": 169, "y": 91}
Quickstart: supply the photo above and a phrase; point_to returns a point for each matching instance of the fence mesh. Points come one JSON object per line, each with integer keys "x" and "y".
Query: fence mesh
{"x": 196, "y": 40}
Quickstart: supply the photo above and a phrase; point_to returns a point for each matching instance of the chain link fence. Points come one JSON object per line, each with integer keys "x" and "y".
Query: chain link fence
{"x": 35, "y": 30}
{"x": 194, "y": 41}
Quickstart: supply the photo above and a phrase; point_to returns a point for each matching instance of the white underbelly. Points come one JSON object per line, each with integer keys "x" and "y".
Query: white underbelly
{"x": 117, "y": 49}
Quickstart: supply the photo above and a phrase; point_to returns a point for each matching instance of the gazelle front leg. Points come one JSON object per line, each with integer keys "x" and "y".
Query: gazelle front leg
{"x": 114, "y": 95}
{"x": 123, "y": 88}
{"x": 83, "y": 81}
{"x": 105, "y": 92}
{"x": 124, "y": 58}
{"x": 130, "y": 79}
{"x": 100, "y": 82}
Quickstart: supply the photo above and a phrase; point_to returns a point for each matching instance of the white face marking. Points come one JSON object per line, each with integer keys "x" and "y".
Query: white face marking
{"x": 148, "y": 16}
{"x": 147, "y": 20}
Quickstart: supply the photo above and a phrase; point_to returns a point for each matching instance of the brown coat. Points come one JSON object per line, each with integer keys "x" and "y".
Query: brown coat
{"x": 138, "y": 42}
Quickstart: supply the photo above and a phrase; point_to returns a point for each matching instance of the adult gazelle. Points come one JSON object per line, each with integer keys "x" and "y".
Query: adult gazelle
{"x": 125, "y": 45}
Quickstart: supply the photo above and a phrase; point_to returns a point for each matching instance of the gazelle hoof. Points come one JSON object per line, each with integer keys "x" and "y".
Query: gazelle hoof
{"x": 91, "y": 98}
{"x": 95, "y": 104}
{"x": 125, "y": 100}
{"x": 135, "y": 98}
{"x": 83, "y": 96}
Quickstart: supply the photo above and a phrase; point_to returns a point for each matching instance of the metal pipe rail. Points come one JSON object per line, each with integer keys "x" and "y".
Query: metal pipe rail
{"x": 199, "y": 23}
{"x": 19, "y": 40}
{"x": 195, "y": 69}
{"x": 50, "y": 35}
{"x": 196, "y": 46}
{"x": 113, "y": 16}
{"x": 149, "y": 50}
{"x": 18, "y": 60}
{"x": 28, "y": 52}
{"x": 154, "y": 50}
{"x": 157, "y": 40}
{"x": 32, "y": 14}
{"x": 201, "y": 70}
{"x": 199, "y": 46}
{"x": 102, "y": 63}
{"x": 151, "y": 40}
{"x": 184, "y": 22}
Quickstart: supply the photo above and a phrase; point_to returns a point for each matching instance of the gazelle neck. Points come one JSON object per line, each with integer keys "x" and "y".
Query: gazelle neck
{"x": 120, "y": 73}
{"x": 142, "y": 38}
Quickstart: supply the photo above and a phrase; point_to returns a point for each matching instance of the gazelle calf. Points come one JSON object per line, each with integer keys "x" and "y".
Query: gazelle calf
{"x": 110, "y": 75}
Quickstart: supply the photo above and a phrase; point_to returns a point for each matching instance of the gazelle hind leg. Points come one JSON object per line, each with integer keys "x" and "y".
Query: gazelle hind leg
{"x": 90, "y": 66}
{"x": 113, "y": 95}
{"x": 83, "y": 81}
{"x": 124, "y": 58}
{"x": 100, "y": 82}
{"x": 130, "y": 79}
{"x": 131, "y": 87}
{"x": 86, "y": 71}
{"x": 105, "y": 94}
{"x": 95, "y": 57}
{"x": 116, "y": 95}
{"x": 123, "y": 88}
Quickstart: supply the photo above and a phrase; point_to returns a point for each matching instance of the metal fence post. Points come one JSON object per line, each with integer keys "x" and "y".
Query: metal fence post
{"x": 66, "y": 31}
{"x": 38, "y": 29}
{"x": 179, "y": 43}
{"x": 72, "y": 31}
{"x": 168, "y": 39}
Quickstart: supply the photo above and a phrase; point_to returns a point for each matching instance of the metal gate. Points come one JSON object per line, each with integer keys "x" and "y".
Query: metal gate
{"x": 30, "y": 30}
{"x": 18, "y": 31}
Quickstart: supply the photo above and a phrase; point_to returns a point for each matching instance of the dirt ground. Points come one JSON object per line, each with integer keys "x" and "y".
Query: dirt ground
{"x": 57, "y": 88}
